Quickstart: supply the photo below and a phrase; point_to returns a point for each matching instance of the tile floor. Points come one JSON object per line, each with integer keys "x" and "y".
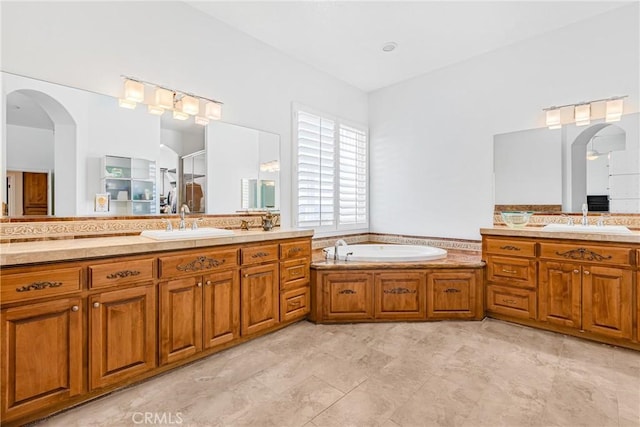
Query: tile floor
{"x": 488, "y": 373}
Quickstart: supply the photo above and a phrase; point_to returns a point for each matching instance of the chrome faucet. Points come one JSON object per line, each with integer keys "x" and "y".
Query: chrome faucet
{"x": 585, "y": 210}
{"x": 339, "y": 243}
{"x": 183, "y": 209}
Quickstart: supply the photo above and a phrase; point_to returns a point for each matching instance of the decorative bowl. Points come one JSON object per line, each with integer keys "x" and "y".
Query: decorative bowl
{"x": 517, "y": 219}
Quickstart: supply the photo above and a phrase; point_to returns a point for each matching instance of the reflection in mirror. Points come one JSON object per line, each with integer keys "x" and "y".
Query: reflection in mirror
{"x": 67, "y": 133}
{"x": 550, "y": 170}
{"x": 257, "y": 168}
{"x": 194, "y": 168}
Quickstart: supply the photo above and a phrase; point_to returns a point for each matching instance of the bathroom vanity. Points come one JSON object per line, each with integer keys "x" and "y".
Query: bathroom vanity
{"x": 81, "y": 318}
{"x": 581, "y": 284}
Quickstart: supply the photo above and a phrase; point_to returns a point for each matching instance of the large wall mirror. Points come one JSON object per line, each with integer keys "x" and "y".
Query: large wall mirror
{"x": 562, "y": 169}
{"x": 64, "y": 147}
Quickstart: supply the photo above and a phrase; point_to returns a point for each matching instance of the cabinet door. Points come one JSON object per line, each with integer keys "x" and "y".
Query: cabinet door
{"x": 180, "y": 318}
{"x": 41, "y": 355}
{"x": 260, "y": 298}
{"x": 638, "y": 303}
{"x": 400, "y": 296}
{"x": 221, "y": 308}
{"x": 122, "y": 334}
{"x": 606, "y": 301}
{"x": 559, "y": 293}
{"x": 451, "y": 295}
{"x": 347, "y": 296}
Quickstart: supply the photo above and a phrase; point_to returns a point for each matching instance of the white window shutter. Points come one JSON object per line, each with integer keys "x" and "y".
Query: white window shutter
{"x": 352, "y": 196}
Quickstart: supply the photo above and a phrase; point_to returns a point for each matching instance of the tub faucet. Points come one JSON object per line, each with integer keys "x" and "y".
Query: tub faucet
{"x": 585, "y": 210}
{"x": 183, "y": 209}
{"x": 339, "y": 243}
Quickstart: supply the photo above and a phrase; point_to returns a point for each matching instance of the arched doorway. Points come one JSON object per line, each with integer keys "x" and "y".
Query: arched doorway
{"x": 40, "y": 160}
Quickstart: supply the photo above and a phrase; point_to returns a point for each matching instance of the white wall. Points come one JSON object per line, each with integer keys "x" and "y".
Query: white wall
{"x": 90, "y": 44}
{"x": 431, "y": 136}
{"x": 29, "y": 149}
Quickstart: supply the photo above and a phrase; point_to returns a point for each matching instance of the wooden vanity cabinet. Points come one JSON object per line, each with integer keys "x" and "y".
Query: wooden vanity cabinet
{"x": 42, "y": 362}
{"x": 122, "y": 334}
{"x": 295, "y": 292}
{"x": 511, "y": 277}
{"x": 259, "y": 289}
{"x": 198, "y": 311}
{"x": 582, "y": 287}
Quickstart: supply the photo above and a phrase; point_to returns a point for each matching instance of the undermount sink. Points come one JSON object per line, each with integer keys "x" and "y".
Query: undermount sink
{"x": 203, "y": 232}
{"x": 601, "y": 229}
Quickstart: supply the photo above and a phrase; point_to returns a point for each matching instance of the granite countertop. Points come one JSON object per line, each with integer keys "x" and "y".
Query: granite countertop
{"x": 75, "y": 249}
{"x": 454, "y": 259}
{"x": 634, "y": 237}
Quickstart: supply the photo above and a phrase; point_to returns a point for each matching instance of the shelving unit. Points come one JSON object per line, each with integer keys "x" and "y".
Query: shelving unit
{"x": 131, "y": 185}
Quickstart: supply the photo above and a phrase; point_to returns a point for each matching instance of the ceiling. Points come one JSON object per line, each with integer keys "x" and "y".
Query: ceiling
{"x": 22, "y": 110}
{"x": 345, "y": 38}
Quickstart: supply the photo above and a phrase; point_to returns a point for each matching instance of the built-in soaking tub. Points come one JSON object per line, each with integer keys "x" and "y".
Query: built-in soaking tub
{"x": 386, "y": 253}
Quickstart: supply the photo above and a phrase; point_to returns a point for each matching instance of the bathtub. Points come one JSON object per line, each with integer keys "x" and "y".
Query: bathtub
{"x": 386, "y": 253}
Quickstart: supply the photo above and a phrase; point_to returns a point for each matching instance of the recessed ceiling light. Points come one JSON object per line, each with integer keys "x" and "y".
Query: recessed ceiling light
{"x": 388, "y": 47}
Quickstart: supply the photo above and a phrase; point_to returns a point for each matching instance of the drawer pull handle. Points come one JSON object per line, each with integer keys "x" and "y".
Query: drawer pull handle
{"x": 347, "y": 291}
{"x": 452, "y": 290}
{"x": 509, "y": 301}
{"x": 75, "y": 308}
{"x": 96, "y": 304}
{"x": 576, "y": 271}
{"x": 259, "y": 255}
{"x": 201, "y": 263}
{"x": 208, "y": 282}
{"x": 123, "y": 274}
{"x": 504, "y": 270}
{"x": 400, "y": 291}
{"x": 586, "y": 272}
{"x": 38, "y": 286}
{"x": 294, "y": 251}
{"x": 294, "y": 303}
{"x": 510, "y": 248}
{"x": 583, "y": 254}
{"x": 246, "y": 275}
{"x": 199, "y": 284}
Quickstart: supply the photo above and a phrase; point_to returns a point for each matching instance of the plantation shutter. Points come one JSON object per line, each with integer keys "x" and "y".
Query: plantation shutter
{"x": 352, "y": 195}
{"x": 316, "y": 170}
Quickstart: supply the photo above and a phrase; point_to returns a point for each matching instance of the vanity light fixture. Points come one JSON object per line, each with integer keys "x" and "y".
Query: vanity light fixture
{"x": 614, "y": 108}
{"x": 125, "y": 103}
{"x": 179, "y": 115}
{"x": 553, "y": 118}
{"x": 183, "y": 104}
{"x": 582, "y": 114}
{"x": 202, "y": 121}
{"x": 155, "y": 109}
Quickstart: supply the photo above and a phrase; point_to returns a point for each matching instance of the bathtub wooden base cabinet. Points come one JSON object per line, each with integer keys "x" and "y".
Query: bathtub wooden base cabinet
{"x": 72, "y": 331}
{"x": 414, "y": 294}
{"x": 581, "y": 288}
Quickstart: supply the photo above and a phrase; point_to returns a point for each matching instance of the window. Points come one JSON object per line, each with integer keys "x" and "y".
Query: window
{"x": 331, "y": 172}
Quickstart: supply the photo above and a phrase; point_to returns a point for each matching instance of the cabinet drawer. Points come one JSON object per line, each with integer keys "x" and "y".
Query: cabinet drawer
{"x": 512, "y": 271}
{"x": 117, "y": 273}
{"x": 294, "y": 303}
{"x": 259, "y": 254}
{"x": 586, "y": 253}
{"x": 179, "y": 265}
{"x": 297, "y": 249}
{"x": 511, "y": 247}
{"x": 512, "y": 302}
{"x": 38, "y": 284}
{"x": 294, "y": 273}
